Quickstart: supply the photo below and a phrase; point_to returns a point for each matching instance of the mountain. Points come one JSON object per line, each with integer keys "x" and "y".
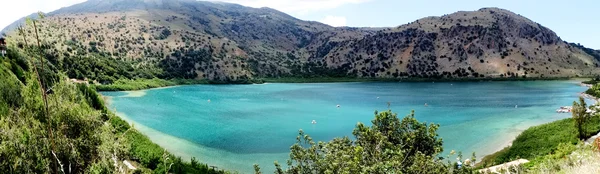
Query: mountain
{"x": 488, "y": 42}
{"x": 17, "y": 23}
{"x": 223, "y": 41}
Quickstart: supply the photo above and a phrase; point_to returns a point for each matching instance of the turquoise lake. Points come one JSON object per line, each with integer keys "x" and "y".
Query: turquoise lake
{"x": 246, "y": 124}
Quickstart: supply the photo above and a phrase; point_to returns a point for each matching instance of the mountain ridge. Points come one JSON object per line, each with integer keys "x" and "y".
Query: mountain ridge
{"x": 239, "y": 42}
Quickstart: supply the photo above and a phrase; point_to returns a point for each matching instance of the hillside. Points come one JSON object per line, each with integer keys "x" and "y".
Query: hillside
{"x": 231, "y": 43}
{"x": 52, "y": 125}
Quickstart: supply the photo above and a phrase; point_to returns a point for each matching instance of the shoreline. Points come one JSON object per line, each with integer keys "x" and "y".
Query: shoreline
{"x": 187, "y": 150}
{"x": 347, "y": 79}
{"x": 505, "y": 139}
{"x": 507, "y": 144}
{"x": 174, "y": 83}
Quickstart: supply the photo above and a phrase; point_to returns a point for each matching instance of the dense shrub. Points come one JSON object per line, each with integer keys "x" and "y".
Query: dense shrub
{"x": 92, "y": 97}
{"x": 105, "y": 70}
{"x": 390, "y": 145}
{"x": 85, "y": 136}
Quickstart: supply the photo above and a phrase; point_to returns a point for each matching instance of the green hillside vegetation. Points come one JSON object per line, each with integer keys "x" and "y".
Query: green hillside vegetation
{"x": 66, "y": 128}
{"x": 592, "y": 81}
{"x": 138, "y": 84}
{"x": 583, "y": 159}
{"x": 545, "y": 142}
{"x": 595, "y": 89}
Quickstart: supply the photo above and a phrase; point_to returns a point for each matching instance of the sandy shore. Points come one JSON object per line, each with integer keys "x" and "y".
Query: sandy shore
{"x": 141, "y": 93}
{"x": 587, "y": 96}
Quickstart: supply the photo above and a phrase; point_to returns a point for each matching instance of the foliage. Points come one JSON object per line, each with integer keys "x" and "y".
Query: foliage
{"x": 10, "y": 87}
{"x": 139, "y": 84}
{"x": 542, "y": 140}
{"x": 163, "y": 34}
{"x": 157, "y": 159}
{"x": 17, "y": 64}
{"x": 311, "y": 70}
{"x": 183, "y": 63}
{"x": 592, "y": 81}
{"x": 577, "y": 159}
{"x": 390, "y": 145}
{"x": 77, "y": 135}
{"x": 147, "y": 153}
{"x": 361, "y": 79}
{"x": 594, "y": 90}
{"x": 580, "y": 116}
{"x": 103, "y": 69}
{"x": 91, "y": 97}
{"x": 72, "y": 122}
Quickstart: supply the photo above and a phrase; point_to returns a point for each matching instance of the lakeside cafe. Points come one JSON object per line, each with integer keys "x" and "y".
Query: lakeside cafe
{"x": 2, "y": 46}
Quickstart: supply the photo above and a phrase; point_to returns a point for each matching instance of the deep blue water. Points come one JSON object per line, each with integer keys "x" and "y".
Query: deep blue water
{"x": 247, "y": 124}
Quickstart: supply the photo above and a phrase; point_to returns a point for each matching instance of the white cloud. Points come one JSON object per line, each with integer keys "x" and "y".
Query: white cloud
{"x": 13, "y": 10}
{"x": 295, "y": 6}
{"x": 336, "y": 21}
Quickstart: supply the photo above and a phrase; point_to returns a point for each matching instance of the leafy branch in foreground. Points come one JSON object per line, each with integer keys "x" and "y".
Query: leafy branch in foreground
{"x": 390, "y": 145}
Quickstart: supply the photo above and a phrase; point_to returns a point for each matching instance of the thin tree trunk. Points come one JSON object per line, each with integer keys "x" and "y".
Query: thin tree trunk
{"x": 22, "y": 31}
{"x": 44, "y": 93}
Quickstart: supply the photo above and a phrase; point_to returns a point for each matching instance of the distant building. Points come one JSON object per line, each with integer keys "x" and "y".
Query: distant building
{"x": 2, "y": 46}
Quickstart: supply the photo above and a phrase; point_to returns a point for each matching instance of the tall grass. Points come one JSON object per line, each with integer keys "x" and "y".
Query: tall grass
{"x": 542, "y": 140}
{"x": 584, "y": 159}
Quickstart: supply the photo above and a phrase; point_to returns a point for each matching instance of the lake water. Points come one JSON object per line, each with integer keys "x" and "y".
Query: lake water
{"x": 246, "y": 124}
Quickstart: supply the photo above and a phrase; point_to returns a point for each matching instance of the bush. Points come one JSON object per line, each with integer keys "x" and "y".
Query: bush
{"x": 85, "y": 136}
{"x": 92, "y": 97}
{"x": 390, "y": 145}
{"x": 156, "y": 158}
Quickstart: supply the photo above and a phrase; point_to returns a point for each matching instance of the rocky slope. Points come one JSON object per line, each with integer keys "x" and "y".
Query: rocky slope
{"x": 488, "y": 42}
{"x": 221, "y": 41}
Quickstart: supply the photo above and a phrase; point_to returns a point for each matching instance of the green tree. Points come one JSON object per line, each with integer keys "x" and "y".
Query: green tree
{"x": 580, "y": 116}
{"x": 390, "y": 145}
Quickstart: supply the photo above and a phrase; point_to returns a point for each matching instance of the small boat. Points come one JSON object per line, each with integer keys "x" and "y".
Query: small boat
{"x": 564, "y": 109}
{"x": 426, "y": 105}
{"x": 313, "y": 122}
{"x": 338, "y": 106}
{"x": 208, "y": 100}
{"x": 516, "y": 106}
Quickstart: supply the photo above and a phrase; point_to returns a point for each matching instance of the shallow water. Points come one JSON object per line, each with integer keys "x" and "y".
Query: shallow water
{"x": 246, "y": 124}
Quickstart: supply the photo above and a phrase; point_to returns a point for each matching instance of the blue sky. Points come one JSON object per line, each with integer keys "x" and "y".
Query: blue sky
{"x": 574, "y": 21}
